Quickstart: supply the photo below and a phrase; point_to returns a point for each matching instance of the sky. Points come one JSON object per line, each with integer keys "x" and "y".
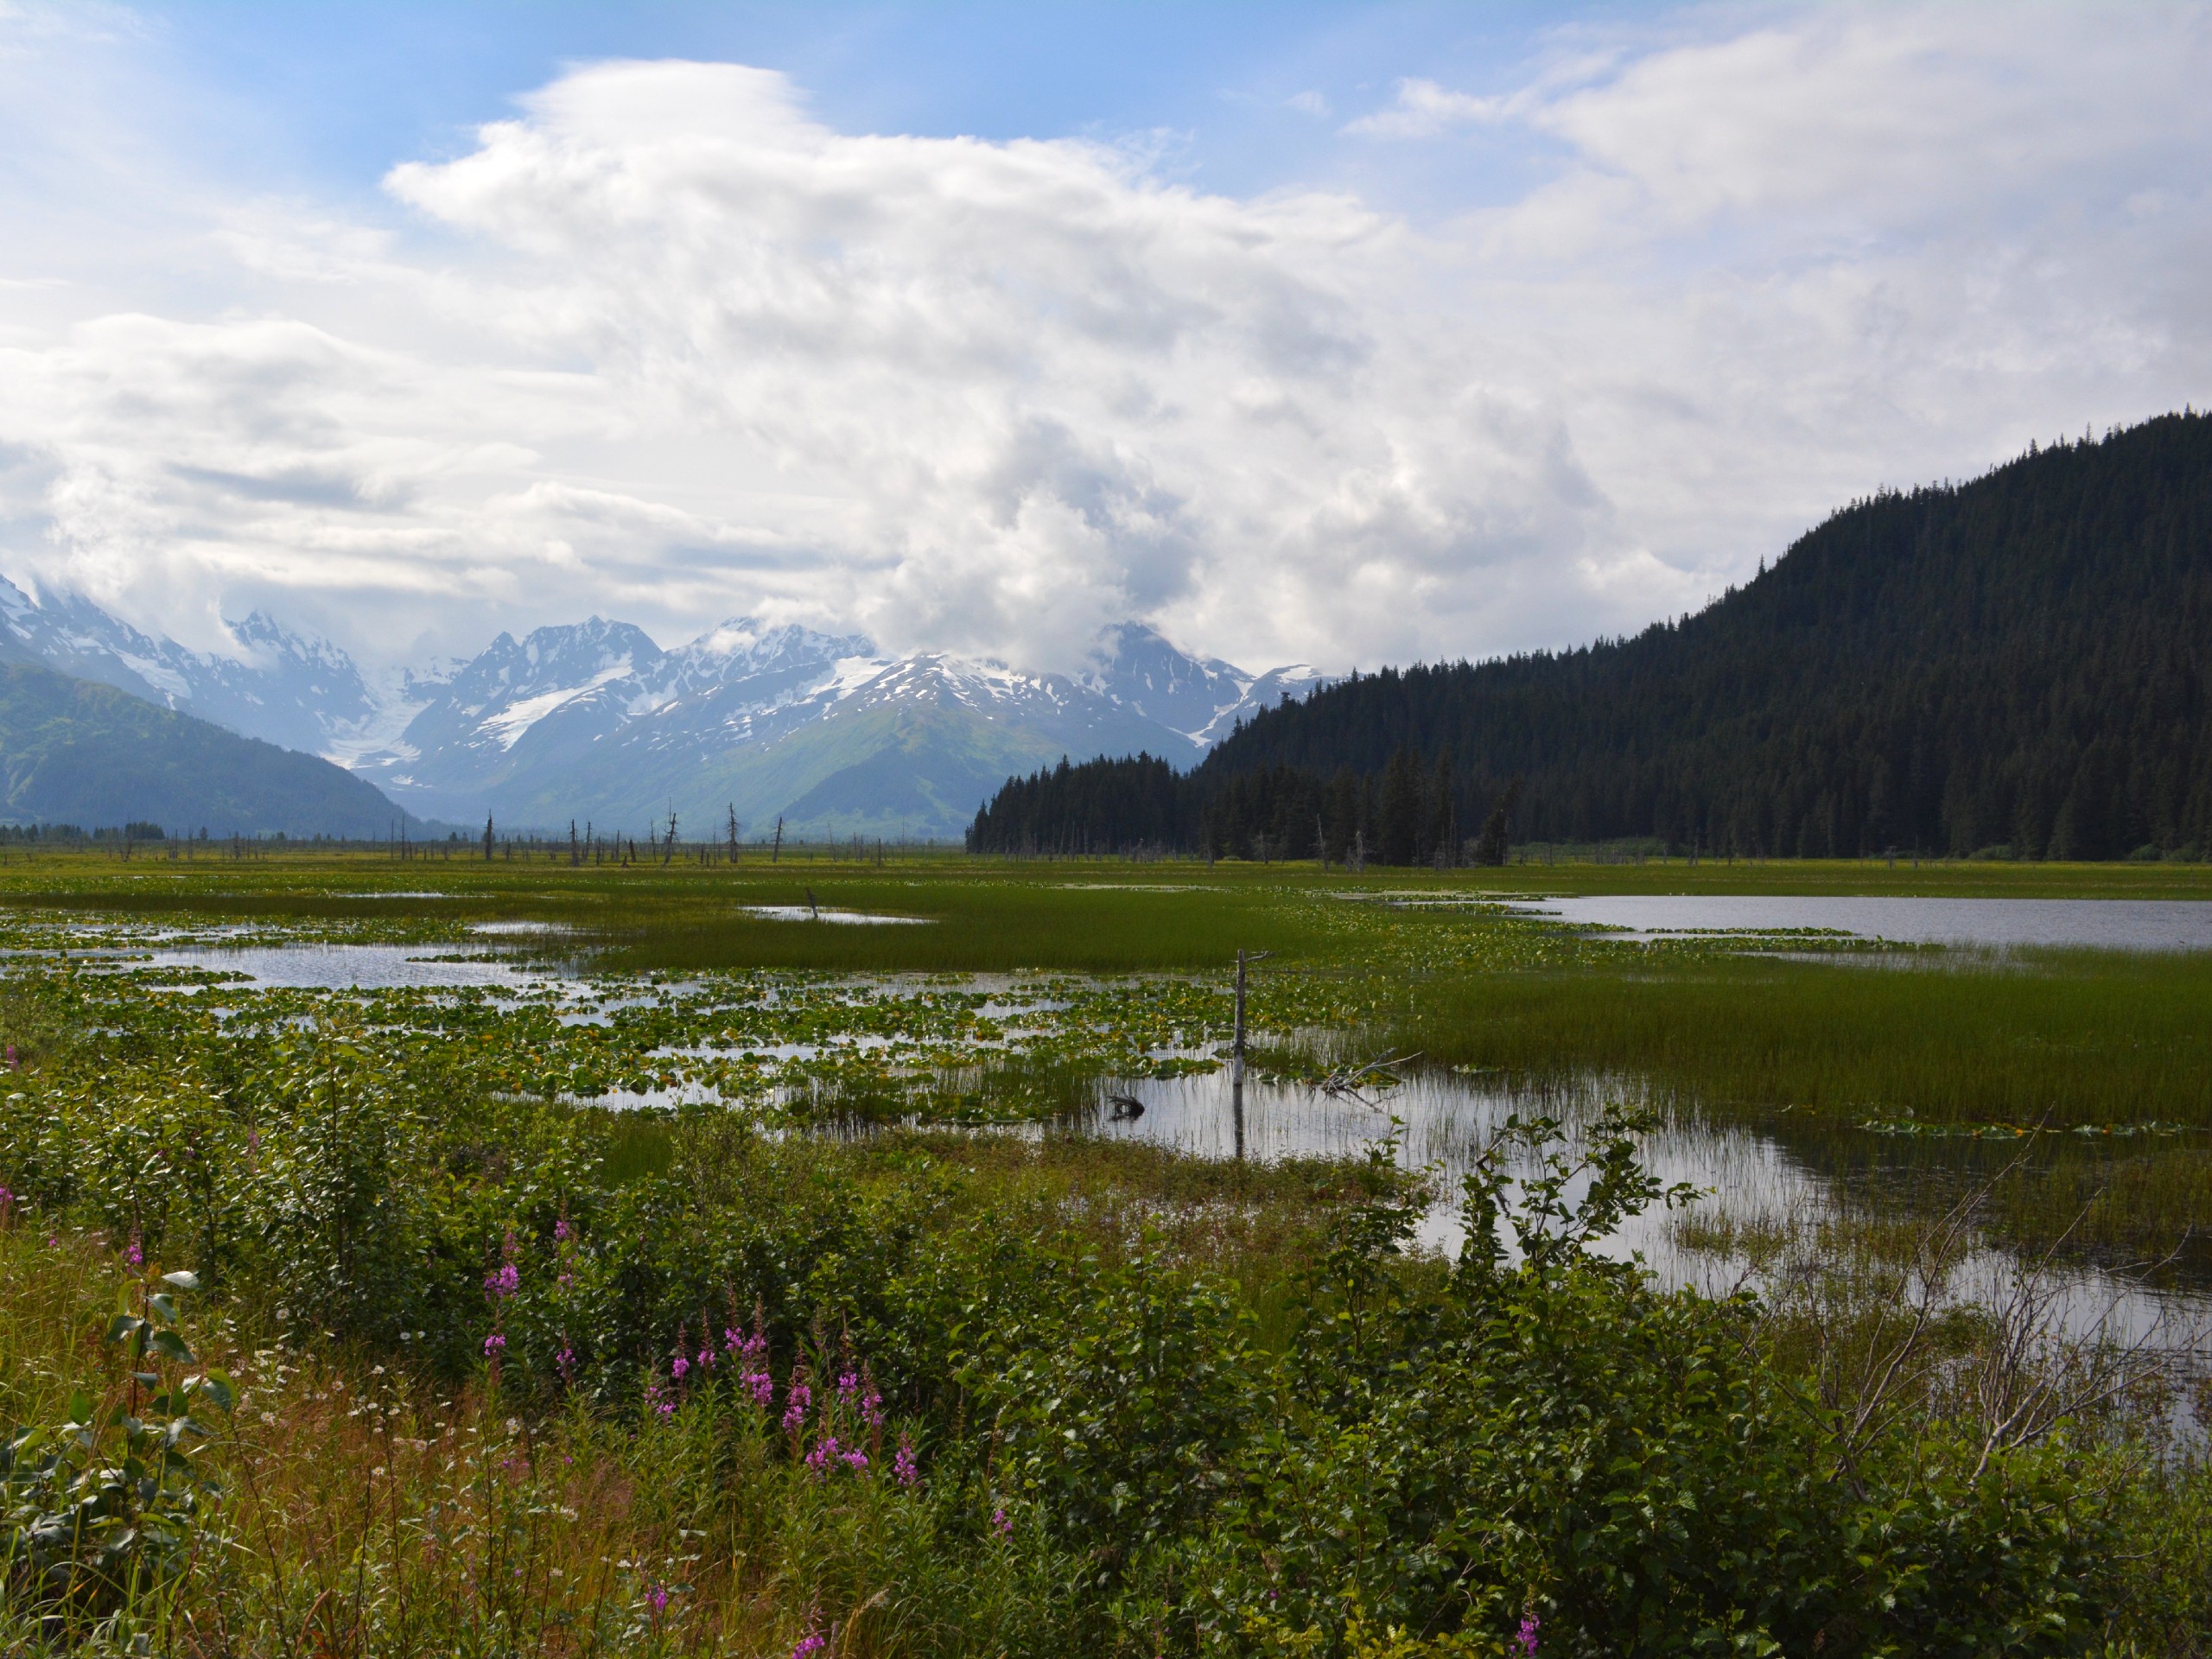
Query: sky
{"x": 1328, "y": 333}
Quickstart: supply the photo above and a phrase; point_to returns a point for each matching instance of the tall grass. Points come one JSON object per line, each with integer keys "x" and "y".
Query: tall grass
{"x": 368, "y": 1511}
{"x": 2064, "y": 1038}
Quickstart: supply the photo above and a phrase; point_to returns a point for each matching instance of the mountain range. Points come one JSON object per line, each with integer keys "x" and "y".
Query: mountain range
{"x": 595, "y": 722}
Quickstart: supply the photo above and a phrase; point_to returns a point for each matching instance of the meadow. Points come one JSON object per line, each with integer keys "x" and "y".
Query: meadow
{"x": 704, "y": 1280}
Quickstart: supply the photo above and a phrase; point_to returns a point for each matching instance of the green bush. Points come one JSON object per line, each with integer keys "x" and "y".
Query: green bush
{"x": 1432, "y": 1457}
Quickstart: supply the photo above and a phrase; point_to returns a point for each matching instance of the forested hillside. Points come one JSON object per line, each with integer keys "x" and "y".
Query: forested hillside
{"x": 2017, "y": 662}
{"x": 75, "y": 752}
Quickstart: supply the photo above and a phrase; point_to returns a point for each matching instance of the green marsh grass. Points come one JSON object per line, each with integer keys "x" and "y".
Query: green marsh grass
{"x": 1808, "y": 1049}
{"x": 2058, "y": 1038}
{"x": 985, "y": 914}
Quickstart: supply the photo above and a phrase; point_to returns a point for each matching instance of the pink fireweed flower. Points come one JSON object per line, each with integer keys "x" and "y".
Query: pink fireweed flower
{"x": 762, "y": 1387}
{"x": 824, "y": 1450}
{"x": 658, "y": 1398}
{"x": 872, "y": 1407}
{"x": 855, "y": 1459}
{"x": 561, "y": 1229}
{"x": 800, "y": 1401}
{"x": 1526, "y": 1638}
{"x": 808, "y": 1644}
{"x": 999, "y": 1524}
{"x": 706, "y": 1359}
{"x": 678, "y": 1367}
{"x": 132, "y": 1254}
{"x": 656, "y": 1598}
{"x": 846, "y": 1384}
{"x": 508, "y": 1279}
{"x": 494, "y": 1344}
{"x": 905, "y": 1468}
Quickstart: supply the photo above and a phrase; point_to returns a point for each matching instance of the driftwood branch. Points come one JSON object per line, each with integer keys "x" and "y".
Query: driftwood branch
{"x": 1353, "y": 1082}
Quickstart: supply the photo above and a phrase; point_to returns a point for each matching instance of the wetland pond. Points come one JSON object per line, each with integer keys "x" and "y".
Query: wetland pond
{"x": 1757, "y": 1174}
{"x": 1750, "y": 1180}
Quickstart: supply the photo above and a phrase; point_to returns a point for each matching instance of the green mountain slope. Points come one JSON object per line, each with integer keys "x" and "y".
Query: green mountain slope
{"x": 75, "y": 752}
{"x": 2024, "y": 661}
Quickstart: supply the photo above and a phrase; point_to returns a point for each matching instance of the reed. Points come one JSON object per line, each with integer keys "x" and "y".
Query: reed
{"x": 2058, "y": 1038}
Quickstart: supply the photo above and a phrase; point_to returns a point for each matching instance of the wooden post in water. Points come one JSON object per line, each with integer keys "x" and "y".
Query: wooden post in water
{"x": 1244, "y": 959}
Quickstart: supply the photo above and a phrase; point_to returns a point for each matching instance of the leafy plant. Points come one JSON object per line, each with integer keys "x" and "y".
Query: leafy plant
{"x": 110, "y": 1504}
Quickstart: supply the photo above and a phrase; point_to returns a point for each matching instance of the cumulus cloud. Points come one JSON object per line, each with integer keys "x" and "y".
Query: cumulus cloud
{"x": 666, "y": 345}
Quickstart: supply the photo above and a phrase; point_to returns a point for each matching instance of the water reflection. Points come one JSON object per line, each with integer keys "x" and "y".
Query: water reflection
{"x": 2106, "y": 924}
{"x": 353, "y": 967}
{"x": 1750, "y": 1178}
{"x": 848, "y": 917}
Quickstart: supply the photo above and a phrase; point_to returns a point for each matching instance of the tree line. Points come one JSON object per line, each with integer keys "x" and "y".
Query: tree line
{"x": 2016, "y": 665}
{"x": 1408, "y": 813}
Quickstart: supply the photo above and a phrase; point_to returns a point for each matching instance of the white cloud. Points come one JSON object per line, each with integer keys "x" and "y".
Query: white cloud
{"x": 1423, "y": 109}
{"x": 666, "y": 346}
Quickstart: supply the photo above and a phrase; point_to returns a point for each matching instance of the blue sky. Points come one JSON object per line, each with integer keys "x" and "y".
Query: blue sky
{"x": 328, "y": 95}
{"x": 1334, "y": 333}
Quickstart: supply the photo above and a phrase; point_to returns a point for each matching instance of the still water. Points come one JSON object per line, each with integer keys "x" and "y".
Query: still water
{"x": 2109, "y": 924}
{"x": 348, "y": 967}
{"x": 1743, "y": 1174}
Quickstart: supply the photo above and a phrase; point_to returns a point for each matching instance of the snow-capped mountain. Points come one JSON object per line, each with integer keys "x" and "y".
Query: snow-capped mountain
{"x": 296, "y": 692}
{"x": 596, "y": 721}
{"x": 1203, "y": 698}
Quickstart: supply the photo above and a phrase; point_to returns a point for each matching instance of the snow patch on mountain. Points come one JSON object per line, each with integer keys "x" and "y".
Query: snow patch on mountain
{"x": 511, "y": 722}
{"x": 276, "y": 685}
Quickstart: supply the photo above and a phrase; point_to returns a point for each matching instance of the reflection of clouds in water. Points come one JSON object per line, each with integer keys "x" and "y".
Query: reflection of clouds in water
{"x": 848, "y": 917}
{"x": 2112, "y": 923}
{"x": 357, "y": 967}
{"x": 1446, "y": 1121}
{"x": 1746, "y": 1177}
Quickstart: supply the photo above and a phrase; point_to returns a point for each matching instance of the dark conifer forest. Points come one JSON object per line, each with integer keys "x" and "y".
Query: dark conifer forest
{"x": 2013, "y": 666}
